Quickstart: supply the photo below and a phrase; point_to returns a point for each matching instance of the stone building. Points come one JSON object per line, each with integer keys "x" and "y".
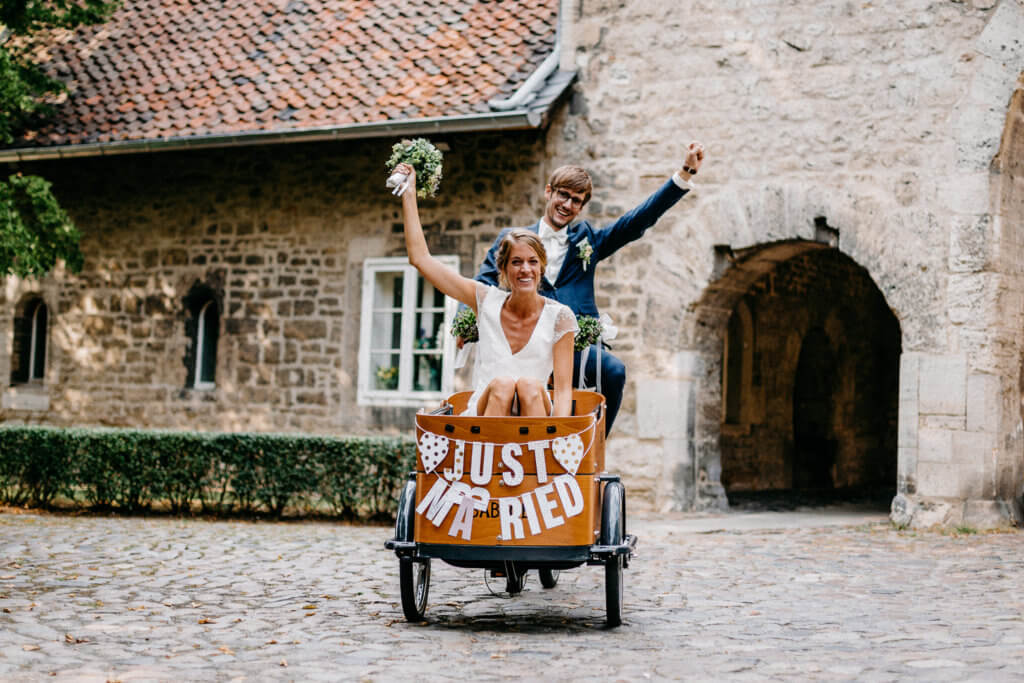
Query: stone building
{"x": 838, "y": 307}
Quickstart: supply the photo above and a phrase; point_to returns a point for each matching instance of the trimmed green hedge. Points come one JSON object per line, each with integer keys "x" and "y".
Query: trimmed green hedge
{"x": 353, "y": 477}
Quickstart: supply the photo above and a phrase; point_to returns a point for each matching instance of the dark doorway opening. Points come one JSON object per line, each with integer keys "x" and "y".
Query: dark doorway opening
{"x": 809, "y": 412}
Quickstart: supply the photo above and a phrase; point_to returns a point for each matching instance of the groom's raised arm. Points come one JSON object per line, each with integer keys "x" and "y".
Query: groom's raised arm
{"x": 635, "y": 223}
{"x": 632, "y": 225}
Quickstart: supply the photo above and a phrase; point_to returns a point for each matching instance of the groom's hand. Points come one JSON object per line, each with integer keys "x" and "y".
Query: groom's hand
{"x": 694, "y": 158}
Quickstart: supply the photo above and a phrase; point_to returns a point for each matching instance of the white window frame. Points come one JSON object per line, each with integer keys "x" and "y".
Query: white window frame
{"x": 197, "y": 382}
{"x": 367, "y": 393}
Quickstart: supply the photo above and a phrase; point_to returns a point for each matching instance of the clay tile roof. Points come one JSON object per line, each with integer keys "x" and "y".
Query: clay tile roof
{"x": 174, "y": 69}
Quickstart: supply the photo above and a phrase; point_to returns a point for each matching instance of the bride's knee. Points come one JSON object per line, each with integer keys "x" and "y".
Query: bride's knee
{"x": 503, "y": 388}
{"x": 529, "y": 387}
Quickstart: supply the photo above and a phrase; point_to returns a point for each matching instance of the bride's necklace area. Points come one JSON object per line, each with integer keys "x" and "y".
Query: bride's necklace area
{"x": 518, "y": 330}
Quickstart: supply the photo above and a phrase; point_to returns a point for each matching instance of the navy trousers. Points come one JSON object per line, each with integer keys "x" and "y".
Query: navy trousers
{"x": 613, "y": 380}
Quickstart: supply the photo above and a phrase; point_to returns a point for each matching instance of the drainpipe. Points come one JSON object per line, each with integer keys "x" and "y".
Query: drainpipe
{"x": 527, "y": 91}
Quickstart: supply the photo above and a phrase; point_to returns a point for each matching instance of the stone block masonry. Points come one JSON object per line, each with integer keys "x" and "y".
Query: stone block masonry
{"x": 278, "y": 234}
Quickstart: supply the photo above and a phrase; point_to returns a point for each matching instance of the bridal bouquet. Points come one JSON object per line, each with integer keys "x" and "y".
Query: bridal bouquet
{"x": 464, "y": 325}
{"x": 594, "y": 329}
{"x": 424, "y": 158}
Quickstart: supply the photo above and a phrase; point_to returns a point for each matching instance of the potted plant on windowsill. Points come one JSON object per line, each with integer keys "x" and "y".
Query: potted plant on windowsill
{"x": 387, "y": 377}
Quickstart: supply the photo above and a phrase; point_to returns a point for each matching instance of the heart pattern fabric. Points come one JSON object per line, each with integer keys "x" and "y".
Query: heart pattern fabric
{"x": 433, "y": 449}
{"x": 568, "y": 451}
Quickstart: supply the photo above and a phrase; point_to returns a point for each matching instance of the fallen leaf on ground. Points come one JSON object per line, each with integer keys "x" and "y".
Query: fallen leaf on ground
{"x": 204, "y": 620}
{"x": 309, "y": 607}
{"x": 226, "y": 650}
{"x": 284, "y": 662}
{"x": 29, "y": 648}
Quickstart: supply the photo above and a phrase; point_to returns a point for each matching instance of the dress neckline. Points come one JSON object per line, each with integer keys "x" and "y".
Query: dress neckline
{"x": 504, "y": 335}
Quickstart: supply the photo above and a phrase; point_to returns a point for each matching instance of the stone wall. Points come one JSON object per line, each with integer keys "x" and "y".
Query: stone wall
{"x": 279, "y": 234}
{"x": 883, "y": 119}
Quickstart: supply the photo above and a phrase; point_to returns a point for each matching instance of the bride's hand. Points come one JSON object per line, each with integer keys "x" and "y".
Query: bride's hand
{"x": 409, "y": 183}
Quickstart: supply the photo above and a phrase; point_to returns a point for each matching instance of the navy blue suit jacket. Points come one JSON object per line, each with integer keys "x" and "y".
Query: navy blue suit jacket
{"x": 574, "y": 285}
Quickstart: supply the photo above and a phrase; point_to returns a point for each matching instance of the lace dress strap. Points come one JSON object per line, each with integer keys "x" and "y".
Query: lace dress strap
{"x": 482, "y": 290}
{"x": 565, "y": 322}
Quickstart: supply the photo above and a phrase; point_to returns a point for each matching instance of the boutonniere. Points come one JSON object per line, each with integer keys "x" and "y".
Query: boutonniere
{"x": 584, "y": 250}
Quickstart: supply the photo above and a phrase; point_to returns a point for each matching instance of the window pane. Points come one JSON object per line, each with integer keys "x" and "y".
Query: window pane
{"x": 429, "y": 330}
{"x": 39, "y": 342}
{"x": 427, "y": 372}
{"x": 384, "y": 371}
{"x": 386, "y": 332}
{"x": 428, "y": 296}
{"x": 211, "y": 328}
{"x": 387, "y": 291}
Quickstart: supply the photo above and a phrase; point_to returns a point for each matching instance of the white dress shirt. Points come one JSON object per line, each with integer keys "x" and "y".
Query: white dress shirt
{"x": 556, "y": 242}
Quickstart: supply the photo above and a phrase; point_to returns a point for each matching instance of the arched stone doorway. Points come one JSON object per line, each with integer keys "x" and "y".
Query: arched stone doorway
{"x": 807, "y": 375}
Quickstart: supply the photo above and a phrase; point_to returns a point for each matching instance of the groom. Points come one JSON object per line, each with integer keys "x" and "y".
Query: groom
{"x": 575, "y": 250}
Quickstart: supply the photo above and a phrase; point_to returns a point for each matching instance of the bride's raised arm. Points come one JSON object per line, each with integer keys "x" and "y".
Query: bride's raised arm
{"x": 444, "y": 277}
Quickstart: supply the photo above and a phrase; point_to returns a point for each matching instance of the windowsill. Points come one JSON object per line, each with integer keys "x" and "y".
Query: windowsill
{"x": 200, "y": 393}
{"x": 31, "y": 397}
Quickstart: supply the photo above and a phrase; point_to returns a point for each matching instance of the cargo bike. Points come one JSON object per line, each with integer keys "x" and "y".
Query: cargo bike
{"x": 511, "y": 495}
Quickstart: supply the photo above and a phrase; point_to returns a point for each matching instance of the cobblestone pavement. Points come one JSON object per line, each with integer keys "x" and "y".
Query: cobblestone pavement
{"x": 95, "y": 598}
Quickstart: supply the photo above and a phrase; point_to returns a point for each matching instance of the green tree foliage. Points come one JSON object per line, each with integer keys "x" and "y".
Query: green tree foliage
{"x": 34, "y": 230}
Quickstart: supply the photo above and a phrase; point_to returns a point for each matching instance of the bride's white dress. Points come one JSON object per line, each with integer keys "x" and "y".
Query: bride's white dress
{"x": 494, "y": 357}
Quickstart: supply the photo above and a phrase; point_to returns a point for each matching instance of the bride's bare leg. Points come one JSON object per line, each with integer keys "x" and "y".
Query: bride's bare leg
{"x": 497, "y": 397}
{"x": 533, "y": 397}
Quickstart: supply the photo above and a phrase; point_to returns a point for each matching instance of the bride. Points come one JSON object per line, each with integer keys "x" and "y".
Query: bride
{"x": 523, "y": 335}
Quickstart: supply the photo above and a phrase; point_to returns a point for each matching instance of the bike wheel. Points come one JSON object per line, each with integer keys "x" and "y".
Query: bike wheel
{"x": 414, "y": 580}
{"x": 613, "y": 590}
{"x": 515, "y": 579}
{"x": 548, "y": 577}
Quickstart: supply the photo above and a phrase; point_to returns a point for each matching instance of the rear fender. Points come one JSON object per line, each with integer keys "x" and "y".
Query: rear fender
{"x": 613, "y": 513}
{"x": 406, "y": 512}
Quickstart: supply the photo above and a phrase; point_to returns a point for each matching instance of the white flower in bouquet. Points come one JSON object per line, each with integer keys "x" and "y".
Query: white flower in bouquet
{"x": 425, "y": 159}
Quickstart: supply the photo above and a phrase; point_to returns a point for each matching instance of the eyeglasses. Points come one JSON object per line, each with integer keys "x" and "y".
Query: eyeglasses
{"x": 562, "y": 196}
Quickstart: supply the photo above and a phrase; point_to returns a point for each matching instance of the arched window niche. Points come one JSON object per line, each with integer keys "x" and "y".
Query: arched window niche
{"x": 202, "y": 327}
{"x": 28, "y": 357}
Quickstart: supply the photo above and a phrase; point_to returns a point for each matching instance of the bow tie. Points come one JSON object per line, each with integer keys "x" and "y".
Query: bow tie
{"x": 559, "y": 236}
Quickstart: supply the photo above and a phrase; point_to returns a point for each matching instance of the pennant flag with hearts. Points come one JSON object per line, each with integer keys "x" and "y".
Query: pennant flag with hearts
{"x": 433, "y": 449}
{"x": 568, "y": 451}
